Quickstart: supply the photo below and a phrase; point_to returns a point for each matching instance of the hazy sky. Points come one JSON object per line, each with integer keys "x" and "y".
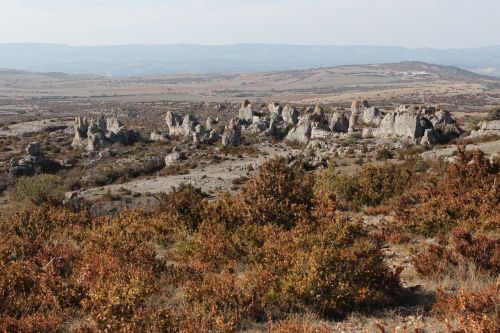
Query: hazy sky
{"x": 411, "y": 23}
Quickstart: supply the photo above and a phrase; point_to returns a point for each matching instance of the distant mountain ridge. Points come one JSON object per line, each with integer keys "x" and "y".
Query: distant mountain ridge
{"x": 135, "y": 60}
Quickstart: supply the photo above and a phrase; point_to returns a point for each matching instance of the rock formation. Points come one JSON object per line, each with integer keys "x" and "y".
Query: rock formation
{"x": 173, "y": 158}
{"x": 486, "y": 128}
{"x": 96, "y": 133}
{"x": 232, "y": 133}
{"x": 302, "y": 132}
{"x": 290, "y": 115}
{"x": 179, "y": 126}
{"x": 246, "y": 111}
{"x": 34, "y": 162}
{"x": 158, "y": 136}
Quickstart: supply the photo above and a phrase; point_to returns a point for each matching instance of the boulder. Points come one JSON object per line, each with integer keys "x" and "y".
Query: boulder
{"x": 357, "y": 108}
{"x": 274, "y": 108}
{"x": 290, "y": 115}
{"x": 232, "y": 133}
{"x": 211, "y": 122}
{"x": 430, "y": 137}
{"x": 302, "y": 132}
{"x": 34, "y": 162}
{"x": 372, "y": 116}
{"x": 179, "y": 126}
{"x": 246, "y": 111}
{"x": 157, "y": 136}
{"x": 81, "y": 128}
{"x": 339, "y": 123}
{"x": 33, "y": 149}
{"x": 174, "y": 158}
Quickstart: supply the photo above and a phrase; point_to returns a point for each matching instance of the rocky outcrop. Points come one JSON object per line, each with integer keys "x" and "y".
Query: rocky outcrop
{"x": 486, "y": 128}
{"x": 302, "y": 132}
{"x": 290, "y": 115}
{"x": 339, "y": 123}
{"x": 246, "y": 111}
{"x": 99, "y": 132}
{"x": 180, "y": 126}
{"x": 357, "y": 108}
{"x": 173, "y": 159}
{"x": 371, "y": 116}
{"x": 211, "y": 122}
{"x": 274, "y": 109}
{"x": 34, "y": 162}
{"x": 158, "y": 136}
{"x": 232, "y": 133}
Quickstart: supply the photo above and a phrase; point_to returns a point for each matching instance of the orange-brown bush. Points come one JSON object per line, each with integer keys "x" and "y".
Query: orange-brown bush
{"x": 467, "y": 194}
{"x": 461, "y": 248}
{"x": 278, "y": 194}
{"x": 297, "y": 325}
{"x": 194, "y": 265}
{"x": 476, "y": 312}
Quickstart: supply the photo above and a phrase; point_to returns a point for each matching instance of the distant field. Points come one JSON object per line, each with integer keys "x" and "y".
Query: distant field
{"x": 384, "y": 85}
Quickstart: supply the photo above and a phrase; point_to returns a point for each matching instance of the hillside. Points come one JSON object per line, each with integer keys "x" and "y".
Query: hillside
{"x": 407, "y": 82}
{"x": 127, "y": 60}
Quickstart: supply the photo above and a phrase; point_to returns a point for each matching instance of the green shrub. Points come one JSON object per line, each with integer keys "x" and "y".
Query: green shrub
{"x": 374, "y": 185}
{"x": 494, "y": 114}
{"x": 34, "y": 190}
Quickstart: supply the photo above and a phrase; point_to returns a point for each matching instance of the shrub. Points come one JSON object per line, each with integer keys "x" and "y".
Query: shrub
{"x": 373, "y": 186}
{"x": 493, "y": 114}
{"x": 343, "y": 270}
{"x": 34, "y": 190}
{"x": 184, "y": 204}
{"x": 474, "y": 311}
{"x": 384, "y": 154}
{"x": 278, "y": 194}
{"x": 461, "y": 248}
{"x": 466, "y": 193}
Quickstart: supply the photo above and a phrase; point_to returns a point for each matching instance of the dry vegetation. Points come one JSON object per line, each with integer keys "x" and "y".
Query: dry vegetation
{"x": 286, "y": 247}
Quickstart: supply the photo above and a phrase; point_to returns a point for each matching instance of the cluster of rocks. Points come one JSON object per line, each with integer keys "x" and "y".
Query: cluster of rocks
{"x": 420, "y": 125}
{"x": 414, "y": 125}
{"x": 100, "y": 132}
{"x": 189, "y": 127}
{"x": 34, "y": 162}
{"x": 486, "y": 128}
{"x": 315, "y": 124}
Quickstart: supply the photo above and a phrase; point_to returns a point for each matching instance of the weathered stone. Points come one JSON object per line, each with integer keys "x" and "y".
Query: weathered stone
{"x": 274, "y": 108}
{"x": 339, "y": 123}
{"x": 493, "y": 125}
{"x": 211, "y": 122}
{"x": 33, "y": 149}
{"x": 173, "y": 158}
{"x": 159, "y": 137}
{"x": 302, "y": 132}
{"x": 429, "y": 138}
{"x": 232, "y": 133}
{"x": 372, "y": 116}
{"x": 35, "y": 162}
{"x": 246, "y": 112}
{"x": 290, "y": 115}
{"x": 81, "y": 128}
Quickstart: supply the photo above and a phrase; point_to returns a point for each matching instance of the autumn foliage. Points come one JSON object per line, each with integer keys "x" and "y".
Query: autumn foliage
{"x": 271, "y": 251}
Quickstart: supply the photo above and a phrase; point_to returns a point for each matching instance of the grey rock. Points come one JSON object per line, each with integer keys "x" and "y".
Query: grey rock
{"x": 290, "y": 115}
{"x": 246, "y": 111}
{"x": 302, "y": 132}
{"x": 339, "y": 123}
{"x": 232, "y": 133}
{"x": 159, "y": 137}
{"x": 174, "y": 158}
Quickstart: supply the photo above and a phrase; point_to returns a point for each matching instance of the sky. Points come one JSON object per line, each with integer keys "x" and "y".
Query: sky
{"x": 409, "y": 23}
